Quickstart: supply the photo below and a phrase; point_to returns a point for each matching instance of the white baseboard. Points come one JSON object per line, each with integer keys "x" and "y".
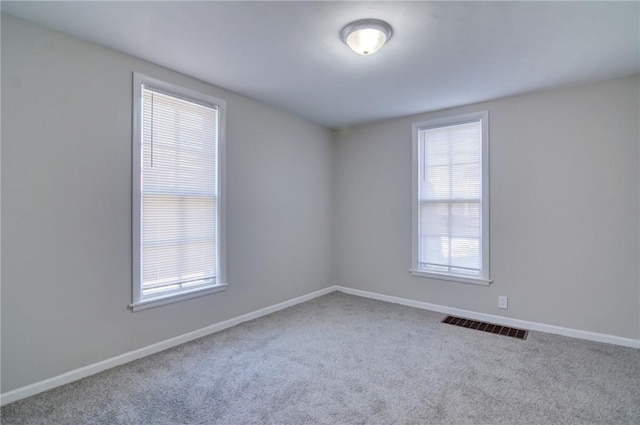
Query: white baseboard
{"x": 500, "y": 320}
{"x": 83, "y": 372}
{"x": 94, "y": 368}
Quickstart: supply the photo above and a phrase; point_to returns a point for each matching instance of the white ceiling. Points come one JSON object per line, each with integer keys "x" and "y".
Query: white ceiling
{"x": 289, "y": 54}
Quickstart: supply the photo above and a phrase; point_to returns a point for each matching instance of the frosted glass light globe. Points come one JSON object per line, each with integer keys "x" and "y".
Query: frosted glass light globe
{"x": 366, "y": 41}
{"x": 366, "y": 36}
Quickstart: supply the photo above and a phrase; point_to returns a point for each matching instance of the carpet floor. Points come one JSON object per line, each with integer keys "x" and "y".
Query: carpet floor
{"x": 341, "y": 359}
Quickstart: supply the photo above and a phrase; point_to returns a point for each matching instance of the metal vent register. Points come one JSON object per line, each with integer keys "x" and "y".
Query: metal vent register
{"x": 486, "y": 327}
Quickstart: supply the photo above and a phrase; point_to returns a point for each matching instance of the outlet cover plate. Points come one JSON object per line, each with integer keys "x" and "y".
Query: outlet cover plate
{"x": 503, "y": 302}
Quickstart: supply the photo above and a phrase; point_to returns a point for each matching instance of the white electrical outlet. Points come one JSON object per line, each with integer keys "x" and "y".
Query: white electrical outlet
{"x": 503, "y": 302}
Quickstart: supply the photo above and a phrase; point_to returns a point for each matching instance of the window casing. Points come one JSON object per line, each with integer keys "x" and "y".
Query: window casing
{"x": 178, "y": 193}
{"x": 450, "y": 196}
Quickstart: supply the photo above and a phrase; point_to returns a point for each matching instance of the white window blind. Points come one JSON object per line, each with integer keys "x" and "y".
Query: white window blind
{"x": 451, "y": 226}
{"x": 178, "y": 200}
{"x": 179, "y": 141}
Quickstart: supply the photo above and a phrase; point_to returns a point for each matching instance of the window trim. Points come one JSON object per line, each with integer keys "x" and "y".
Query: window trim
{"x": 484, "y": 278}
{"x": 171, "y": 89}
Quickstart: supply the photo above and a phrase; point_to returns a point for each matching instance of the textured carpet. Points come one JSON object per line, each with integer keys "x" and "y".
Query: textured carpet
{"x": 340, "y": 359}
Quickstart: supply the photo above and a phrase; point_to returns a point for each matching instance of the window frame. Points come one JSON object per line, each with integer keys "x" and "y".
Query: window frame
{"x": 484, "y": 278}
{"x": 138, "y": 301}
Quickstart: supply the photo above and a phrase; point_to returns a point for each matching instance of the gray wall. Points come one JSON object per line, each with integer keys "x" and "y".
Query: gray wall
{"x": 66, "y": 208}
{"x": 564, "y": 209}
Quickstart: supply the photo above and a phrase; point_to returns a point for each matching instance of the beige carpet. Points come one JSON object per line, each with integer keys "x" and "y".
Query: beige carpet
{"x": 341, "y": 359}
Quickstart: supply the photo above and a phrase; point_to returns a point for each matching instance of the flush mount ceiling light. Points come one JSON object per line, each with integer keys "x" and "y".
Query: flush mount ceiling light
{"x": 366, "y": 36}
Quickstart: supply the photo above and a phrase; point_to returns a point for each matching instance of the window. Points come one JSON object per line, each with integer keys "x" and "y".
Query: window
{"x": 178, "y": 196}
{"x": 451, "y": 199}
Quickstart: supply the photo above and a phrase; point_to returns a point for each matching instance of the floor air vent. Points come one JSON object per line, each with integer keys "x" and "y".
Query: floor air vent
{"x": 486, "y": 327}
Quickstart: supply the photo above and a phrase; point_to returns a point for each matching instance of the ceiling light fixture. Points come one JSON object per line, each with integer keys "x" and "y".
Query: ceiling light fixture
{"x": 366, "y": 36}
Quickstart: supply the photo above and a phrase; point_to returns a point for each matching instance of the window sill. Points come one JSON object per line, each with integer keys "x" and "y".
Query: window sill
{"x": 453, "y": 278}
{"x": 174, "y": 298}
